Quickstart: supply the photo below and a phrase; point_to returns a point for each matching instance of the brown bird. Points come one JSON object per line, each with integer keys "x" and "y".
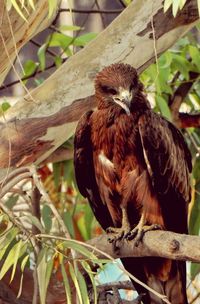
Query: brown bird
{"x": 133, "y": 166}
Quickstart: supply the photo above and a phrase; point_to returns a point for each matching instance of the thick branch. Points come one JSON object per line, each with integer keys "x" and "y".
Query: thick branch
{"x": 189, "y": 120}
{"x": 155, "y": 243}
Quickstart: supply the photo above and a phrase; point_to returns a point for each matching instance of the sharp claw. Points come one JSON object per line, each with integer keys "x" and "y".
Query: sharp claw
{"x": 131, "y": 235}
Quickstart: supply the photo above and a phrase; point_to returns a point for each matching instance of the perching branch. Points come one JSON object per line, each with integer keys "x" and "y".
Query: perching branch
{"x": 164, "y": 244}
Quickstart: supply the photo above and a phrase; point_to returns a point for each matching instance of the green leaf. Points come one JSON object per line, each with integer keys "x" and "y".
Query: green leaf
{"x": 23, "y": 264}
{"x": 194, "y": 220}
{"x": 34, "y": 220}
{"x": 10, "y": 203}
{"x": 75, "y": 281}
{"x": 163, "y": 106}
{"x": 194, "y": 270}
{"x": 47, "y": 217}
{"x": 42, "y": 56}
{"x": 83, "y": 287}
{"x": 5, "y": 106}
{"x": 69, "y": 28}
{"x": 80, "y": 248}
{"x": 6, "y": 240}
{"x": 182, "y": 3}
{"x": 68, "y": 171}
{"x": 67, "y": 218}
{"x": 167, "y": 5}
{"x": 175, "y": 7}
{"x": 182, "y": 64}
{"x": 44, "y": 270}
{"x": 52, "y": 7}
{"x": 66, "y": 284}
{"x": 30, "y": 67}
{"x": 12, "y": 258}
{"x": 88, "y": 219}
{"x": 195, "y": 55}
{"x": 57, "y": 174}
{"x": 19, "y": 251}
{"x": 60, "y": 40}
{"x": 165, "y": 60}
{"x": 58, "y": 61}
{"x": 90, "y": 273}
{"x": 84, "y": 39}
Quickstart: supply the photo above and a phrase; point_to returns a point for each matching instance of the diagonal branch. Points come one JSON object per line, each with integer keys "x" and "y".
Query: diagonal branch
{"x": 183, "y": 120}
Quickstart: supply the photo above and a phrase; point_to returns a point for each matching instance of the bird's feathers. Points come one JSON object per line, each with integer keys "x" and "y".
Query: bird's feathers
{"x": 139, "y": 161}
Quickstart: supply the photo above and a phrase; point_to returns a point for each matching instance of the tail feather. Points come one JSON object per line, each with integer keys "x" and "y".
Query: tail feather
{"x": 146, "y": 270}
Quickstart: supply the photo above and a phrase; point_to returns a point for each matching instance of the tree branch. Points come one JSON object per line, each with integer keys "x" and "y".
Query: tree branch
{"x": 181, "y": 120}
{"x": 164, "y": 244}
{"x": 189, "y": 120}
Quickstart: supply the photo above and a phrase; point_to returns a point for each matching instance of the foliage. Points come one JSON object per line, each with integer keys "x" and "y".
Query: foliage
{"x": 177, "y": 5}
{"x": 22, "y": 8}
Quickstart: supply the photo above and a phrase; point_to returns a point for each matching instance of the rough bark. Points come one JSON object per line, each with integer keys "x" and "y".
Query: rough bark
{"x": 43, "y": 120}
{"x": 15, "y": 31}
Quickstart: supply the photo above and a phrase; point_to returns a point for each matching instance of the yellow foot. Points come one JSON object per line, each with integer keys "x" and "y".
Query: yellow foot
{"x": 138, "y": 232}
{"x": 116, "y": 234}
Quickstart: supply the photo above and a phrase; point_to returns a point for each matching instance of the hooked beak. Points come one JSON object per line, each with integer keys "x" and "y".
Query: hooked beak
{"x": 124, "y": 100}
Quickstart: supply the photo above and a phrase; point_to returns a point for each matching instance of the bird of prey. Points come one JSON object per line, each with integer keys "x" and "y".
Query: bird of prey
{"x": 133, "y": 166}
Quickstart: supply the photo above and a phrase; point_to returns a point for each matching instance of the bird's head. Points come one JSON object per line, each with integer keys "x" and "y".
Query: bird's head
{"x": 118, "y": 84}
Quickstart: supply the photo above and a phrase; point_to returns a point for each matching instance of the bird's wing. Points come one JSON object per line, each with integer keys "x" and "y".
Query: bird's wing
{"x": 166, "y": 154}
{"x": 168, "y": 162}
{"x": 85, "y": 173}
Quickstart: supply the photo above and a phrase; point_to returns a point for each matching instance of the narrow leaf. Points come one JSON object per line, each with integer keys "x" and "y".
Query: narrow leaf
{"x": 89, "y": 271}
{"x": 52, "y": 7}
{"x": 42, "y": 56}
{"x": 66, "y": 284}
{"x": 19, "y": 251}
{"x": 163, "y": 106}
{"x": 167, "y": 5}
{"x": 44, "y": 270}
{"x": 10, "y": 259}
{"x": 75, "y": 281}
{"x": 14, "y": 3}
{"x": 83, "y": 287}
{"x": 23, "y": 264}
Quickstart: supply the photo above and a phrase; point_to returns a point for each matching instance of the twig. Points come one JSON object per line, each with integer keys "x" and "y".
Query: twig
{"x": 127, "y": 285}
{"x": 90, "y": 11}
{"x": 3, "y": 87}
{"x": 39, "y": 45}
{"x": 48, "y": 200}
{"x": 6, "y": 188}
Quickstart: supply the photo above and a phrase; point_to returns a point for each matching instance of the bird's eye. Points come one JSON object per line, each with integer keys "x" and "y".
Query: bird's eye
{"x": 109, "y": 90}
